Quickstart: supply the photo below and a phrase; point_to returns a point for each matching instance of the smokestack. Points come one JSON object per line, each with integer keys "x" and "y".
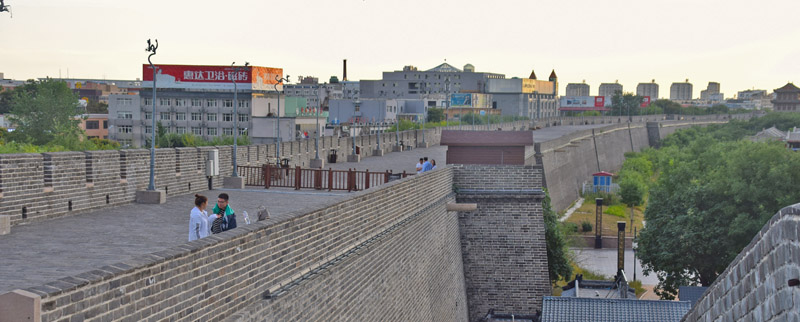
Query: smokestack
{"x": 344, "y": 70}
{"x": 620, "y": 246}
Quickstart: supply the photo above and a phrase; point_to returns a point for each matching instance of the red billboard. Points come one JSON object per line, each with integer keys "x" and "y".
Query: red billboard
{"x": 646, "y": 101}
{"x": 599, "y": 101}
{"x": 173, "y": 75}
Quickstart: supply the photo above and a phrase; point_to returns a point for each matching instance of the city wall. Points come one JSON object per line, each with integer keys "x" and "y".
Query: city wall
{"x": 570, "y": 160}
{"x": 756, "y": 285}
{"x": 390, "y": 252}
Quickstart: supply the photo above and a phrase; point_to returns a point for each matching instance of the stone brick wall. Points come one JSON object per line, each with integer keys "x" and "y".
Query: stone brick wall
{"x": 503, "y": 242}
{"x": 755, "y": 287}
{"x": 405, "y": 264}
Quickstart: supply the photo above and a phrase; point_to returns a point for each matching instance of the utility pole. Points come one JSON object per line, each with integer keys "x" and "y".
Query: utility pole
{"x": 279, "y": 80}
{"x": 236, "y": 116}
{"x": 152, "y": 47}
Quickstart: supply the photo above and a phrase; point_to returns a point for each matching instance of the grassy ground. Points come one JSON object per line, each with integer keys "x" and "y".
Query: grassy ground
{"x": 590, "y": 275}
{"x": 587, "y": 213}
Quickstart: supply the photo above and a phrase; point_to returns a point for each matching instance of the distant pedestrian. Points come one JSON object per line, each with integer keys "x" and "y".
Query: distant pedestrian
{"x": 419, "y": 165}
{"x": 198, "y": 218}
{"x": 223, "y": 208}
{"x": 433, "y": 162}
{"x": 426, "y": 166}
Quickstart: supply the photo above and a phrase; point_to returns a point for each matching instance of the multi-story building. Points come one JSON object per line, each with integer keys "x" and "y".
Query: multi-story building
{"x": 608, "y": 90}
{"x": 9, "y": 83}
{"x": 681, "y": 92}
{"x": 648, "y": 90}
{"x": 95, "y": 125}
{"x": 198, "y": 100}
{"x": 787, "y": 98}
{"x": 711, "y": 89}
{"x": 577, "y": 89}
{"x": 525, "y": 97}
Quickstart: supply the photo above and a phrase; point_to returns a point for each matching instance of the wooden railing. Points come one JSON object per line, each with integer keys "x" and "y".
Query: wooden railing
{"x": 298, "y": 178}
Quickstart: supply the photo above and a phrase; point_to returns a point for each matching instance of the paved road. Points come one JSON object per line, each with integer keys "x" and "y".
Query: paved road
{"x": 604, "y": 261}
{"x": 42, "y": 252}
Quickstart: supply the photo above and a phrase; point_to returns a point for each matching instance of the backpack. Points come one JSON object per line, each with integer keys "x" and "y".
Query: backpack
{"x": 216, "y": 226}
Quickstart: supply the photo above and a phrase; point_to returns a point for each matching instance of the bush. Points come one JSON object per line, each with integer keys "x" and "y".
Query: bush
{"x": 609, "y": 199}
{"x": 616, "y": 210}
{"x": 586, "y": 226}
{"x": 571, "y": 227}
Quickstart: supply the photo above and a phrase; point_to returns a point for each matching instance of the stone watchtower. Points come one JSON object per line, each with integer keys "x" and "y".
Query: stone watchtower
{"x": 503, "y": 241}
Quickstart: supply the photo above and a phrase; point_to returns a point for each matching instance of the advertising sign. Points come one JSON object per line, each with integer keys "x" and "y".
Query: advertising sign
{"x": 201, "y": 76}
{"x": 461, "y": 100}
{"x": 646, "y": 101}
{"x": 582, "y": 103}
{"x": 528, "y": 85}
{"x": 599, "y": 101}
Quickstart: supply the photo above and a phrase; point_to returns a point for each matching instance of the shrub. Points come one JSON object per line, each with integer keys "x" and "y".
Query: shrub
{"x": 609, "y": 199}
{"x": 586, "y": 226}
{"x": 616, "y": 210}
{"x": 571, "y": 227}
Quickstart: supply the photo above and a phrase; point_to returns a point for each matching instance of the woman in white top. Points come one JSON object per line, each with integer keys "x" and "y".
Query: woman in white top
{"x": 198, "y": 219}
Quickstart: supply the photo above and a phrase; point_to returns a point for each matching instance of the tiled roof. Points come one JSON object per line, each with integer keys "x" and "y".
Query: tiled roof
{"x": 487, "y": 138}
{"x": 568, "y": 309}
{"x": 444, "y": 68}
{"x": 771, "y": 132}
{"x": 691, "y": 293}
{"x": 789, "y": 87}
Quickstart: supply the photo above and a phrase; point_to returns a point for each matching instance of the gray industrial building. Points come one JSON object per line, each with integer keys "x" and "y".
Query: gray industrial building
{"x": 648, "y": 89}
{"x": 365, "y": 110}
{"x": 681, "y": 92}
{"x": 525, "y": 97}
{"x": 608, "y": 90}
{"x": 711, "y": 90}
{"x": 577, "y": 89}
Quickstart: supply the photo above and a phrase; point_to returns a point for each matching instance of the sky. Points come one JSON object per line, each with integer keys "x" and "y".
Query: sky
{"x": 741, "y": 44}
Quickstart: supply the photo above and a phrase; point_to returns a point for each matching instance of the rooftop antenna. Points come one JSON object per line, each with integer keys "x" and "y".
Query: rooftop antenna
{"x": 4, "y": 7}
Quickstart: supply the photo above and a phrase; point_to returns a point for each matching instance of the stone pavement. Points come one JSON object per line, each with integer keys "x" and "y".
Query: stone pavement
{"x": 42, "y": 252}
{"x": 604, "y": 261}
{"x": 395, "y": 161}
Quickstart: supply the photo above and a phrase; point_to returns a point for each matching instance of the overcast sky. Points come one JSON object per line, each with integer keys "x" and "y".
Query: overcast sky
{"x": 741, "y": 44}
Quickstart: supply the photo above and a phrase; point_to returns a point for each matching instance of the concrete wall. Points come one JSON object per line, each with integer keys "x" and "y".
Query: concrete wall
{"x": 389, "y": 252}
{"x": 755, "y": 287}
{"x": 503, "y": 242}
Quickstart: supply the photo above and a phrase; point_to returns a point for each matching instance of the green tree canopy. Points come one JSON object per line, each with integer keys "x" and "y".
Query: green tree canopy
{"x": 45, "y": 111}
{"x": 557, "y": 250}
{"x": 625, "y": 104}
{"x": 435, "y": 114}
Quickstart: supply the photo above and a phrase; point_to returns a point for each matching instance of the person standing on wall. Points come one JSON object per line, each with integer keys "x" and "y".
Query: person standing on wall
{"x": 198, "y": 219}
{"x": 419, "y": 165}
{"x": 225, "y": 214}
{"x": 426, "y": 166}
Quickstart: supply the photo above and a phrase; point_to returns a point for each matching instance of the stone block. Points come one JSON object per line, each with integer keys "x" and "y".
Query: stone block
{"x": 316, "y": 163}
{"x": 233, "y": 182}
{"x": 397, "y": 148}
{"x": 423, "y": 145}
{"x": 5, "y": 225}
{"x": 20, "y": 305}
{"x": 354, "y": 158}
{"x": 151, "y": 196}
{"x": 378, "y": 153}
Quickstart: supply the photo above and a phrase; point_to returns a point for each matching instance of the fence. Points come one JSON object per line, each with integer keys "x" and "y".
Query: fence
{"x": 298, "y": 178}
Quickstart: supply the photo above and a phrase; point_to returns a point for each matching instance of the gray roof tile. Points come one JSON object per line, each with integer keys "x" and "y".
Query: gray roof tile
{"x": 558, "y": 309}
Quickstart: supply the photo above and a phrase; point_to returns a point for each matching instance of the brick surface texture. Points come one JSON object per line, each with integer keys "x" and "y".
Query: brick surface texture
{"x": 755, "y": 287}
{"x": 503, "y": 242}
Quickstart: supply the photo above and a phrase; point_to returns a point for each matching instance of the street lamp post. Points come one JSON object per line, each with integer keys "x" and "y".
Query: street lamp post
{"x": 447, "y": 103}
{"x": 279, "y": 80}
{"x": 236, "y": 116}
{"x": 317, "y": 162}
{"x": 152, "y": 47}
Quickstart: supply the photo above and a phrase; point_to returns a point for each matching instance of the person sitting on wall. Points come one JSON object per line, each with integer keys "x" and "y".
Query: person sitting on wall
{"x": 225, "y": 212}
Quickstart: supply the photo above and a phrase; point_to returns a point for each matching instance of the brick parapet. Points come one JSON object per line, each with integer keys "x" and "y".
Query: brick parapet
{"x": 236, "y": 267}
{"x": 755, "y": 286}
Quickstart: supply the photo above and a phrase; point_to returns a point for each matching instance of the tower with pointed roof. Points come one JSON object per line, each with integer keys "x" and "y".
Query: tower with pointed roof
{"x": 787, "y": 98}
{"x": 553, "y": 78}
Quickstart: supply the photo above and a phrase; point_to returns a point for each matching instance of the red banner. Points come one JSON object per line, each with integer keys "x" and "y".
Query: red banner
{"x": 213, "y": 74}
{"x": 599, "y": 101}
{"x": 646, "y": 101}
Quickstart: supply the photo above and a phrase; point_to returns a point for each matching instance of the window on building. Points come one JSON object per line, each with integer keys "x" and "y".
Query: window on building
{"x": 244, "y": 118}
{"x": 105, "y": 124}
{"x": 165, "y": 102}
{"x": 211, "y": 103}
{"x": 196, "y": 102}
{"x": 211, "y": 117}
{"x": 227, "y": 103}
{"x": 125, "y": 142}
{"x": 148, "y": 102}
{"x": 180, "y": 116}
{"x": 124, "y": 115}
{"x": 92, "y": 125}
{"x": 211, "y": 131}
{"x": 227, "y": 131}
{"x": 227, "y": 117}
{"x": 242, "y": 131}
{"x": 197, "y": 131}
{"x": 244, "y": 103}
{"x": 180, "y": 130}
{"x": 164, "y": 116}
{"x": 124, "y": 129}
{"x": 148, "y": 129}
{"x": 148, "y": 115}
{"x": 197, "y": 116}
{"x": 180, "y": 102}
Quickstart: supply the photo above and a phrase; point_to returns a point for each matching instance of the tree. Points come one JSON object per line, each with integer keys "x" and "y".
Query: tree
{"x": 709, "y": 201}
{"x": 667, "y": 106}
{"x": 96, "y": 107}
{"x": 625, "y": 104}
{"x": 45, "y": 111}
{"x": 632, "y": 188}
{"x": 558, "y": 265}
{"x": 435, "y": 114}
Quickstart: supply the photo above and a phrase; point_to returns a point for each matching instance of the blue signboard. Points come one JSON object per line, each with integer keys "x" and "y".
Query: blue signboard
{"x": 483, "y": 113}
{"x": 461, "y": 100}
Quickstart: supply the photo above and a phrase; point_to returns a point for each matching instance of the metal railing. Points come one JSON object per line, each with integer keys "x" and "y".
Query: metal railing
{"x": 269, "y": 175}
